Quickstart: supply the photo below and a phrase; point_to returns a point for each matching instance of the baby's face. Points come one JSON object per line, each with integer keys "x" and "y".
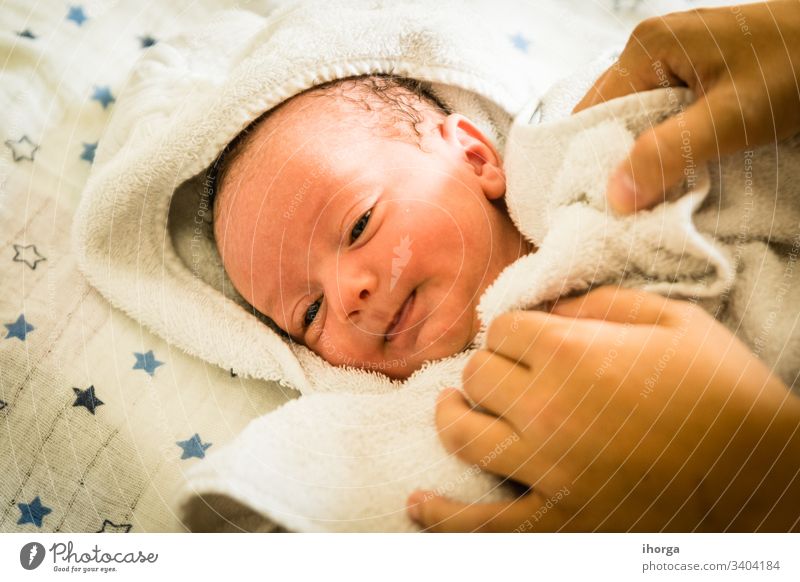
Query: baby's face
{"x": 369, "y": 250}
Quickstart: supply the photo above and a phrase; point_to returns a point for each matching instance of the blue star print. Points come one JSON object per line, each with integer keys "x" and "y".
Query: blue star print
{"x": 111, "y": 527}
{"x": 147, "y": 41}
{"x": 88, "y": 151}
{"x": 22, "y": 149}
{"x": 19, "y": 329}
{"x": 146, "y": 362}
{"x": 103, "y": 95}
{"x": 194, "y": 447}
{"x": 32, "y": 512}
{"x": 76, "y": 15}
{"x": 87, "y": 398}
{"x": 520, "y": 42}
{"x": 27, "y": 254}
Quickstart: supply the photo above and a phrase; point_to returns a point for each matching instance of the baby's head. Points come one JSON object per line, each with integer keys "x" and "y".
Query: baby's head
{"x": 366, "y": 221}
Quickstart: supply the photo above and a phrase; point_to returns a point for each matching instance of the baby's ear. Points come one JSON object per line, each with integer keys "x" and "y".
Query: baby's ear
{"x": 477, "y": 150}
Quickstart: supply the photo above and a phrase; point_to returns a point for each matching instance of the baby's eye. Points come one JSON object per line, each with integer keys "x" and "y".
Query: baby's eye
{"x": 311, "y": 312}
{"x": 360, "y": 226}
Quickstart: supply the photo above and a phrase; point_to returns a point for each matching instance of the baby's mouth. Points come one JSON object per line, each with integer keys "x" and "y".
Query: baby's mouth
{"x": 400, "y": 317}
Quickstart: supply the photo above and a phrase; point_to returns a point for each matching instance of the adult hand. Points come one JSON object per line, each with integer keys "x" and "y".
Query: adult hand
{"x": 623, "y": 411}
{"x": 742, "y": 62}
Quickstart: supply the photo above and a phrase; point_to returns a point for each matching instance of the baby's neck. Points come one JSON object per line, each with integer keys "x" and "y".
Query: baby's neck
{"x": 515, "y": 244}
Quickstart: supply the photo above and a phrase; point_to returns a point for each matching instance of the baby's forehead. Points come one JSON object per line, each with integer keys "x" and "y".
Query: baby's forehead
{"x": 306, "y": 148}
{"x": 308, "y": 151}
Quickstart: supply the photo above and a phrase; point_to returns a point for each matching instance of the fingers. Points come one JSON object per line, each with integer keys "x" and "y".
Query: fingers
{"x": 617, "y": 304}
{"x": 514, "y": 336}
{"x": 497, "y": 383}
{"x": 634, "y": 70}
{"x": 486, "y": 441}
{"x": 618, "y": 81}
{"x": 671, "y": 151}
{"x": 440, "y": 514}
{"x": 607, "y": 85}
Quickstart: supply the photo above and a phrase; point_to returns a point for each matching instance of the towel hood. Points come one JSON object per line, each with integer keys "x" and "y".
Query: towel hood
{"x": 142, "y": 232}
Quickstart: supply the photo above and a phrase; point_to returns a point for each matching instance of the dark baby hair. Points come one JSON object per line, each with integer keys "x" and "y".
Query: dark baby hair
{"x": 403, "y": 98}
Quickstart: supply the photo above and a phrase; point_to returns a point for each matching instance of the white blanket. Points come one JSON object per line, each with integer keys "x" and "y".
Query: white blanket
{"x": 115, "y": 466}
{"x": 347, "y": 453}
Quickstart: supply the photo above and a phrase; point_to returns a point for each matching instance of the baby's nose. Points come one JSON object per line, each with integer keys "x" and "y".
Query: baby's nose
{"x": 356, "y": 295}
{"x": 355, "y": 300}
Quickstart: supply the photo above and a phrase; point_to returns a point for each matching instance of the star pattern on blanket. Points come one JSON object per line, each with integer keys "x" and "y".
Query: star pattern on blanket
{"x": 103, "y": 95}
{"x": 22, "y": 149}
{"x": 146, "y": 362}
{"x": 77, "y": 15}
{"x": 147, "y": 41}
{"x": 87, "y": 398}
{"x": 25, "y": 149}
{"x": 32, "y": 512}
{"x": 88, "y": 152}
{"x": 520, "y": 42}
{"x": 28, "y": 254}
{"x": 111, "y": 527}
{"x": 19, "y": 329}
{"x": 193, "y": 447}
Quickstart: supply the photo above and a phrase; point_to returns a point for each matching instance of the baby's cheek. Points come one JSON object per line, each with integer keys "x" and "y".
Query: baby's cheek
{"x": 336, "y": 350}
{"x": 434, "y": 228}
{"x": 327, "y": 348}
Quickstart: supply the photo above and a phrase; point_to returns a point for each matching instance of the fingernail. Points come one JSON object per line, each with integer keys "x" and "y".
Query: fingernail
{"x": 413, "y": 504}
{"x": 622, "y": 192}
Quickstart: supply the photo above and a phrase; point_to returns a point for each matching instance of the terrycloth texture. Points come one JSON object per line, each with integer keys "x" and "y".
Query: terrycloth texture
{"x": 731, "y": 242}
{"x": 152, "y": 258}
{"x": 348, "y": 452}
{"x": 348, "y": 462}
{"x": 223, "y": 75}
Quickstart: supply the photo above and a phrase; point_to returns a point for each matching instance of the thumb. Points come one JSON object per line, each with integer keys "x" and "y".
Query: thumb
{"x": 665, "y": 154}
{"x": 617, "y": 304}
{"x": 530, "y": 512}
{"x": 435, "y": 513}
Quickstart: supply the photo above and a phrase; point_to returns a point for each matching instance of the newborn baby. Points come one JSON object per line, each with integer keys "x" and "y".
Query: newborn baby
{"x": 365, "y": 221}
